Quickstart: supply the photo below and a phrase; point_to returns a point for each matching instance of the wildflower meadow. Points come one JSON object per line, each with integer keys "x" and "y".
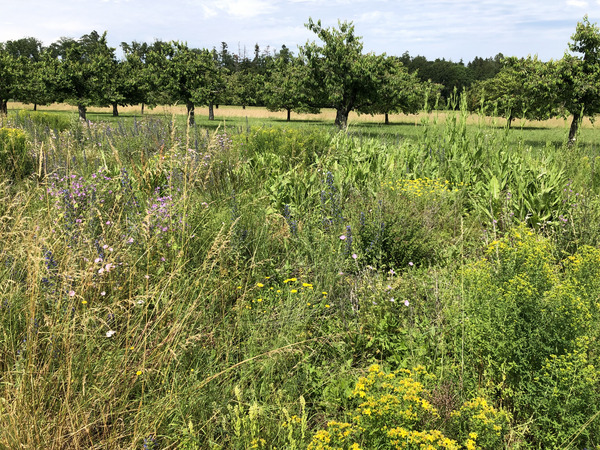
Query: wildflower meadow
{"x": 271, "y": 285}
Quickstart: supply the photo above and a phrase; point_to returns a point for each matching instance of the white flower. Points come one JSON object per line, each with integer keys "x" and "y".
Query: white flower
{"x": 110, "y": 333}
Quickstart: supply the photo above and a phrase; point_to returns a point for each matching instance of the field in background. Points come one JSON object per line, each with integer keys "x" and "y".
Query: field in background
{"x": 326, "y": 115}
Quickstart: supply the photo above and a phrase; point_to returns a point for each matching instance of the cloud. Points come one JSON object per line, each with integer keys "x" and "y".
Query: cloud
{"x": 578, "y": 3}
{"x": 241, "y": 9}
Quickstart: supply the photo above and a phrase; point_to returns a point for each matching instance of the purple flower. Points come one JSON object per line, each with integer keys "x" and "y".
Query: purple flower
{"x": 354, "y": 256}
{"x": 406, "y": 303}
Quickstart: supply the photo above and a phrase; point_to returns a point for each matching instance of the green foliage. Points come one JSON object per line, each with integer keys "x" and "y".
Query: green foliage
{"x": 578, "y": 91}
{"x": 348, "y": 80}
{"x": 398, "y": 231}
{"x": 173, "y": 286}
{"x": 183, "y": 75}
{"x": 289, "y": 86}
{"x": 83, "y": 74}
{"x": 41, "y": 121}
{"x": 524, "y": 88}
{"x": 393, "y": 412}
{"x": 524, "y": 323}
{"x": 397, "y": 92}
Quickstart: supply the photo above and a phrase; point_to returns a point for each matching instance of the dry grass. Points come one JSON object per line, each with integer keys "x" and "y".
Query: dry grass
{"x": 326, "y": 115}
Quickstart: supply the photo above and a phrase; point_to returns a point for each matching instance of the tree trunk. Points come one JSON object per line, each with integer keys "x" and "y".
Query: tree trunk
{"x": 341, "y": 118}
{"x": 142, "y": 109}
{"x": 190, "y": 113}
{"x": 243, "y": 106}
{"x": 3, "y": 107}
{"x": 509, "y": 121}
{"x": 115, "y": 110}
{"x": 211, "y": 112}
{"x": 35, "y": 106}
{"x": 289, "y": 114}
{"x": 387, "y": 119}
{"x": 82, "y": 112}
{"x": 574, "y": 128}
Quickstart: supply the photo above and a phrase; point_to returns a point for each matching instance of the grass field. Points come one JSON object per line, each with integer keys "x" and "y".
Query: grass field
{"x": 249, "y": 283}
{"x": 533, "y": 133}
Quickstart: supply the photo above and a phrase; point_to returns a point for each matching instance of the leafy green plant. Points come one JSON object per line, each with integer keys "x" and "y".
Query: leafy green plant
{"x": 525, "y": 320}
{"x": 393, "y": 412}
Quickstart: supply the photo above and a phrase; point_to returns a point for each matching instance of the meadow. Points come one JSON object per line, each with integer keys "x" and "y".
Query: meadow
{"x": 252, "y": 283}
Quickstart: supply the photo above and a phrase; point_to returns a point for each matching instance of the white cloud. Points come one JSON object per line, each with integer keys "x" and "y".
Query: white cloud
{"x": 578, "y": 3}
{"x": 242, "y": 9}
{"x": 453, "y": 29}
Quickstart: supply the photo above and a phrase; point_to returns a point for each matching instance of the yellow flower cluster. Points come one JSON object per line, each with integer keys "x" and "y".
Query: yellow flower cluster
{"x": 386, "y": 394}
{"x": 393, "y": 406}
{"x": 402, "y": 438}
{"x": 482, "y": 416}
{"x": 270, "y": 291}
{"x": 336, "y": 434}
{"x": 422, "y": 186}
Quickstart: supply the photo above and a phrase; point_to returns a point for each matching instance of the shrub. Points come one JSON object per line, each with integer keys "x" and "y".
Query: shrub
{"x": 393, "y": 412}
{"x": 527, "y": 318}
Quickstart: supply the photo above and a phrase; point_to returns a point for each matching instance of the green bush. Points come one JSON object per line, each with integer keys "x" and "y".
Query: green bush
{"x": 393, "y": 412}
{"x": 58, "y": 122}
{"x": 527, "y": 318}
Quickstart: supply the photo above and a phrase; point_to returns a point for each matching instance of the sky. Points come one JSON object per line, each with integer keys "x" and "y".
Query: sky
{"x": 451, "y": 29}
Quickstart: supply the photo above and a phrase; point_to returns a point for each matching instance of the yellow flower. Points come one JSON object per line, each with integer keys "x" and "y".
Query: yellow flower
{"x": 259, "y": 285}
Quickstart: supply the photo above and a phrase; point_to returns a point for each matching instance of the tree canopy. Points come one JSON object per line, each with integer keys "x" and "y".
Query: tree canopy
{"x": 579, "y": 90}
{"x": 333, "y": 72}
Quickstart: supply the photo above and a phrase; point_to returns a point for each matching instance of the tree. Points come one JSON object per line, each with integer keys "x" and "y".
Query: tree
{"x": 483, "y": 69}
{"x": 287, "y": 87}
{"x": 216, "y": 79}
{"x": 10, "y": 71}
{"x": 397, "y": 90}
{"x": 226, "y": 59}
{"x": 183, "y": 75}
{"x": 347, "y": 78}
{"x": 579, "y": 75}
{"x": 82, "y": 75}
{"x": 136, "y": 85}
{"x": 450, "y": 76}
{"x": 524, "y": 88}
{"x": 245, "y": 87}
{"x": 30, "y": 86}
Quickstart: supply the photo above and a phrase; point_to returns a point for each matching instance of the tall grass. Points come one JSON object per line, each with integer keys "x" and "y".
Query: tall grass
{"x": 174, "y": 287}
